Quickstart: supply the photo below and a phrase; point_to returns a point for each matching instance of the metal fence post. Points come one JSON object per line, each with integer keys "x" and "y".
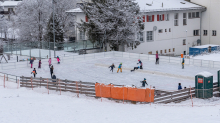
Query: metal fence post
{"x": 7, "y": 77}
{"x": 16, "y": 79}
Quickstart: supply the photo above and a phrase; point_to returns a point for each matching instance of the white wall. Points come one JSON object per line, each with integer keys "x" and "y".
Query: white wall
{"x": 169, "y": 40}
{"x": 210, "y": 20}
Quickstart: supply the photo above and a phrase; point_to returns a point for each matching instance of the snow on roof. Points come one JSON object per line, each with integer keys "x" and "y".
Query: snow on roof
{"x": 206, "y": 46}
{"x": 166, "y": 5}
{"x": 160, "y": 5}
{"x": 205, "y": 74}
{"x": 75, "y": 10}
{"x": 10, "y": 3}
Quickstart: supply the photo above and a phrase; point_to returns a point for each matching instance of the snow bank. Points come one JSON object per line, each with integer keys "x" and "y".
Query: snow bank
{"x": 205, "y": 74}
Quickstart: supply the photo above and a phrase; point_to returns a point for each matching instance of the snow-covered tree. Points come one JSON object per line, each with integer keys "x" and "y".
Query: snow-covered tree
{"x": 115, "y": 21}
{"x": 58, "y": 29}
{"x": 31, "y": 19}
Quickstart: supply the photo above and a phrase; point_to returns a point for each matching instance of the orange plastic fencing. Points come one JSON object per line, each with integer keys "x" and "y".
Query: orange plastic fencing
{"x": 103, "y": 90}
{"x": 124, "y": 93}
{"x": 119, "y": 93}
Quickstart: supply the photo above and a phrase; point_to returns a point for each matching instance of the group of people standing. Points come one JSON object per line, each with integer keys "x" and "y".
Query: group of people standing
{"x": 34, "y": 72}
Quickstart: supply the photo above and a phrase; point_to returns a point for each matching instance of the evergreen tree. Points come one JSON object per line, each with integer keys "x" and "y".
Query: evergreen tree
{"x": 59, "y": 34}
{"x": 115, "y": 21}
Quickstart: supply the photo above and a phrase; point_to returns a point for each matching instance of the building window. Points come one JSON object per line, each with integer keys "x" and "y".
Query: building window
{"x": 160, "y": 31}
{"x": 150, "y": 18}
{"x": 167, "y": 17}
{"x": 165, "y": 51}
{"x": 169, "y": 50}
{"x": 141, "y": 36}
{"x": 184, "y": 19}
{"x": 197, "y": 14}
{"x": 173, "y": 49}
{"x": 192, "y": 15}
{"x": 169, "y": 29}
{"x": 214, "y": 33}
{"x": 196, "y": 32}
{"x": 161, "y": 51}
{"x": 184, "y": 41}
{"x": 82, "y": 35}
{"x": 160, "y": 17}
{"x": 205, "y": 32}
{"x": 176, "y": 19}
{"x": 165, "y": 30}
{"x": 149, "y": 35}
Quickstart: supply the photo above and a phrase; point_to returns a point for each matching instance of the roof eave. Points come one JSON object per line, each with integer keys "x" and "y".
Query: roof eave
{"x": 174, "y": 9}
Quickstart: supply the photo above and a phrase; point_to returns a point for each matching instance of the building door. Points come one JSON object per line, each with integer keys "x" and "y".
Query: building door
{"x": 184, "y": 52}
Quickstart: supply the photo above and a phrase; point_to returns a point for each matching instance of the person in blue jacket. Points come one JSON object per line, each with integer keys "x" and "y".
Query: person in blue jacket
{"x": 179, "y": 87}
{"x": 144, "y": 82}
{"x": 183, "y": 61}
{"x": 119, "y": 68}
{"x": 112, "y": 67}
{"x": 141, "y": 65}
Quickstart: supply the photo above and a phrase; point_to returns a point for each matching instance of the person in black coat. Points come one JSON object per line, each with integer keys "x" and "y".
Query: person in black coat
{"x": 144, "y": 82}
{"x": 135, "y": 68}
{"x": 51, "y": 70}
{"x": 34, "y": 72}
{"x": 112, "y": 67}
{"x": 54, "y": 77}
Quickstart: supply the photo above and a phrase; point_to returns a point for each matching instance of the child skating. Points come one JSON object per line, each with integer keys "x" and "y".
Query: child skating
{"x": 135, "y": 68}
{"x": 31, "y": 62}
{"x": 183, "y": 63}
{"x": 119, "y": 68}
{"x": 34, "y": 72}
{"x": 49, "y": 62}
{"x": 112, "y": 67}
{"x": 157, "y": 58}
{"x": 141, "y": 65}
{"x": 144, "y": 82}
{"x": 58, "y": 59}
{"x": 39, "y": 64}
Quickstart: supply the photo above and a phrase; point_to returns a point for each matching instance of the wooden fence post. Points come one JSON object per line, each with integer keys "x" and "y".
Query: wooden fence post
{"x": 47, "y": 86}
{"x": 18, "y": 84}
{"x": 77, "y": 89}
{"x": 191, "y": 96}
{"x": 31, "y": 83}
{"x": 40, "y": 81}
{"x": 65, "y": 83}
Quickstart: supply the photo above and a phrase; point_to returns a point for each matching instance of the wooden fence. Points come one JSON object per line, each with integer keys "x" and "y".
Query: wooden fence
{"x": 177, "y": 96}
{"x": 86, "y": 88}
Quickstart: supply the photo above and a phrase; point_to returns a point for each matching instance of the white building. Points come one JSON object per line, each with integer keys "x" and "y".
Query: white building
{"x": 210, "y": 21}
{"x": 171, "y": 26}
{"x": 8, "y": 7}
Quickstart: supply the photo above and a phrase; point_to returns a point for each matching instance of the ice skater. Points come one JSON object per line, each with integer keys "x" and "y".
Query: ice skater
{"x": 58, "y": 59}
{"x": 49, "y": 62}
{"x": 54, "y": 78}
{"x": 31, "y": 62}
{"x": 179, "y": 87}
{"x": 157, "y": 58}
{"x": 141, "y": 65}
{"x": 120, "y": 67}
{"x": 144, "y": 82}
{"x": 51, "y": 70}
{"x": 183, "y": 63}
{"x": 112, "y": 67}
{"x": 135, "y": 68}
{"x": 34, "y": 72}
{"x": 39, "y": 64}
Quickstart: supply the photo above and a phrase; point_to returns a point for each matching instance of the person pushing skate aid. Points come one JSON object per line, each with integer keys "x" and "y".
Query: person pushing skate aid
{"x": 144, "y": 82}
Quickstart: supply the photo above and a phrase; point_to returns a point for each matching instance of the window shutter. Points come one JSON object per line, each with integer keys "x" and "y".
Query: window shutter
{"x": 147, "y": 18}
{"x": 158, "y": 17}
{"x": 163, "y": 17}
{"x": 153, "y": 18}
{"x": 86, "y": 18}
{"x": 144, "y": 18}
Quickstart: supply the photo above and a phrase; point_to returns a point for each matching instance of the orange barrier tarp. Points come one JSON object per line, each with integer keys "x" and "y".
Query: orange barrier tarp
{"x": 119, "y": 93}
{"x": 103, "y": 90}
{"x": 124, "y": 93}
{"x": 149, "y": 95}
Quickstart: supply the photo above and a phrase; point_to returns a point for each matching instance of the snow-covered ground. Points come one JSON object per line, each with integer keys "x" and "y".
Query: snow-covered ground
{"x": 164, "y": 76}
{"x": 33, "y": 106}
{"x": 212, "y": 56}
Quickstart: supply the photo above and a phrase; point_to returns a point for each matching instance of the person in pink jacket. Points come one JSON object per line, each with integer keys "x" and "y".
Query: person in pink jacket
{"x": 58, "y": 59}
{"x": 157, "y": 58}
{"x": 49, "y": 62}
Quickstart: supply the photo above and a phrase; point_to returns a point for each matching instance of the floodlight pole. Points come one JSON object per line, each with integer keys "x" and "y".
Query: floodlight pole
{"x": 53, "y": 31}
